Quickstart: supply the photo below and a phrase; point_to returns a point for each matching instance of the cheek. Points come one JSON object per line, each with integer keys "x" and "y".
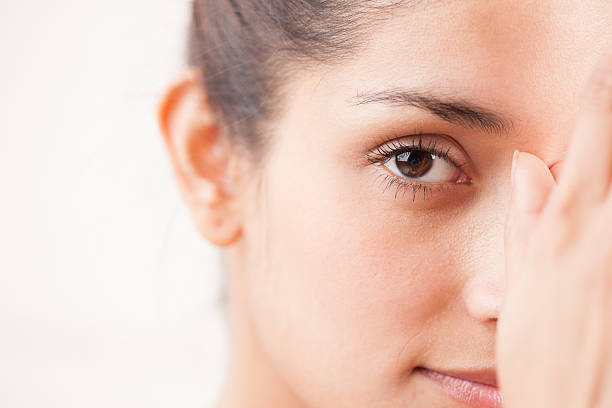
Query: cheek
{"x": 345, "y": 283}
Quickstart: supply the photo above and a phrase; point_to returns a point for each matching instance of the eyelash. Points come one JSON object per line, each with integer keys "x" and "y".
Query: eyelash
{"x": 386, "y": 151}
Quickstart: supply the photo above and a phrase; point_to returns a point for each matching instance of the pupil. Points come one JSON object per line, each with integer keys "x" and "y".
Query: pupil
{"x": 414, "y": 163}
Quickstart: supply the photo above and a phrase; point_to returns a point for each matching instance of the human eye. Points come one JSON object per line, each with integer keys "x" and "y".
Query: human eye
{"x": 421, "y": 163}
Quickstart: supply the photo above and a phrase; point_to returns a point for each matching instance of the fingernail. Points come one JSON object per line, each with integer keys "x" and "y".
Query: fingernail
{"x": 513, "y": 169}
{"x": 531, "y": 183}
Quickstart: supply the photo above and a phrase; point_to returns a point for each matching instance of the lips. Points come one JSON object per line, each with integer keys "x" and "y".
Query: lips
{"x": 477, "y": 388}
{"x": 487, "y": 377}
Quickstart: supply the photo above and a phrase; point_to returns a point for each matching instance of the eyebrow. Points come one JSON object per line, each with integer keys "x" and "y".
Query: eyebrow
{"x": 453, "y": 110}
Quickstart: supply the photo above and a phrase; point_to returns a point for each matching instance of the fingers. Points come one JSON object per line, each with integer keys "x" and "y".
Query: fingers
{"x": 589, "y": 162}
{"x": 532, "y": 184}
{"x": 556, "y": 170}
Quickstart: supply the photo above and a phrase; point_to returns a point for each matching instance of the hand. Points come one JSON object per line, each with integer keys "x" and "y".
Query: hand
{"x": 554, "y": 346}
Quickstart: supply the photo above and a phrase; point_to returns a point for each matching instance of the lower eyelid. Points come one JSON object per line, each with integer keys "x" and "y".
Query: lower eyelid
{"x": 416, "y": 190}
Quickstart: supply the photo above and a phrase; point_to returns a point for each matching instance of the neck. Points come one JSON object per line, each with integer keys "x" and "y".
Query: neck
{"x": 252, "y": 381}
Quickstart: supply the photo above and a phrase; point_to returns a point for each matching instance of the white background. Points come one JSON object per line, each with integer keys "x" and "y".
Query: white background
{"x": 108, "y": 297}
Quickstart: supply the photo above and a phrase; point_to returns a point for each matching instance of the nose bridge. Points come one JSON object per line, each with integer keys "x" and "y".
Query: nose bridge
{"x": 484, "y": 288}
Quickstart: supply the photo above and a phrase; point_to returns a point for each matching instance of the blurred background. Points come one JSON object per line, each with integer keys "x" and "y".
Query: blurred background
{"x": 108, "y": 296}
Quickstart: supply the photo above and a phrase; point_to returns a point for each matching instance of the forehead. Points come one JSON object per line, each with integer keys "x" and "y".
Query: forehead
{"x": 516, "y": 55}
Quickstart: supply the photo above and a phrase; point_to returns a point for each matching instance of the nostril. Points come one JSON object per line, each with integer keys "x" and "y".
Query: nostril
{"x": 483, "y": 297}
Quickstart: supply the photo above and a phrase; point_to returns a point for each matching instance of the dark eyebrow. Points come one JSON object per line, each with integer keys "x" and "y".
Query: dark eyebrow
{"x": 451, "y": 110}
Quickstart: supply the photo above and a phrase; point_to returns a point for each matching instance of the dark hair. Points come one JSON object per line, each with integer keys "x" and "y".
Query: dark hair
{"x": 245, "y": 50}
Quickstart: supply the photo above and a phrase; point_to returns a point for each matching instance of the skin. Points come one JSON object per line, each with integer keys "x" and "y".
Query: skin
{"x": 558, "y": 259}
{"x": 339, "y": 287}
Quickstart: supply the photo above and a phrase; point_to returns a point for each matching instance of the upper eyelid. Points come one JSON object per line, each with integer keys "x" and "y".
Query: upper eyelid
{"x": 375, "y": 155}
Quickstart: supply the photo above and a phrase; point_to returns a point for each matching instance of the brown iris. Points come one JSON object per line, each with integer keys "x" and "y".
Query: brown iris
{"x": 414, "y": 163}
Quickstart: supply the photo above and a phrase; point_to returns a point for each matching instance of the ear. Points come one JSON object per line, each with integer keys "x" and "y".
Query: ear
{"x": 202, "y": 159}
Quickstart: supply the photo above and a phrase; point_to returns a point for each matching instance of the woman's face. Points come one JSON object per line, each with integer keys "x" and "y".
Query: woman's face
{"x": 366, "y": 257}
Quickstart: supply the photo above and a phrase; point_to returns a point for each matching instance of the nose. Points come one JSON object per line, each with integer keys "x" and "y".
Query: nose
{"x": 483, "y": 295}
{"x": 483, "y": 289}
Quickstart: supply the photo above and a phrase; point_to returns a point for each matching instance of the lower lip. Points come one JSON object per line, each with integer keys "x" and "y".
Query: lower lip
{"x": 471, "y": 393}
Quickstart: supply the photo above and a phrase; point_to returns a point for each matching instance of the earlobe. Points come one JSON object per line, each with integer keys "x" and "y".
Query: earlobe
{"x": 201, "y": 158}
